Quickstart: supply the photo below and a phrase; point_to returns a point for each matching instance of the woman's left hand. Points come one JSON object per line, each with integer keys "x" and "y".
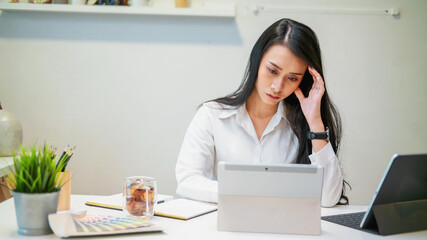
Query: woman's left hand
{"x": 310, "y": 105}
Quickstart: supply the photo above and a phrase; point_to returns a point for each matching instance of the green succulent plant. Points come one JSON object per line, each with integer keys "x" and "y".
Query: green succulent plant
{"x": 35, "y": 171}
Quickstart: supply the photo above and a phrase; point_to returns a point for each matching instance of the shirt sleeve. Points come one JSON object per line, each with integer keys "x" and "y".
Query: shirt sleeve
{"x": 332, "y": 176}
{"x": 194, "y": 168}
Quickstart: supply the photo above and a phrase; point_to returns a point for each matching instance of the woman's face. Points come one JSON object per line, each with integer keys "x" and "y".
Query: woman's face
{"x": 280, "y": 73}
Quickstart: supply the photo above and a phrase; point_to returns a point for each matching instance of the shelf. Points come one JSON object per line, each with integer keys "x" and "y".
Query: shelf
{"x": 228, "y": 10}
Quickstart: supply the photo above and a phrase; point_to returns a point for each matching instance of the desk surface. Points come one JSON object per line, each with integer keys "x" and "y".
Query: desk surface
{"x": 203, "y": 227}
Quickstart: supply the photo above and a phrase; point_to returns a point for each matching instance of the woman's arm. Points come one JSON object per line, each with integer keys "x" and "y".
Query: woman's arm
{"x": 323, "y": 153}
{"x": 332, "y": 176}
{"x": 194, "y": 168}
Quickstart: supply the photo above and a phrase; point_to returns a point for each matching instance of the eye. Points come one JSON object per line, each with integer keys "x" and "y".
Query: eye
{"x": 272, "y": 71}
{"x": 293, "y": 79}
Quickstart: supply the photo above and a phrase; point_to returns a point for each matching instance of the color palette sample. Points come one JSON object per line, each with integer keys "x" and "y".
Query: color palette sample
{"x": 104, "y": 223}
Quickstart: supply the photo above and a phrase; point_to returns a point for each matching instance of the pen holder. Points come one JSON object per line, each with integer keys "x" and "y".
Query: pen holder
{"x": 64, "y": 196}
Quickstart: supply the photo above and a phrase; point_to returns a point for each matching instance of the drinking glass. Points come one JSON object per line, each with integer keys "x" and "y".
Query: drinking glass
{"x": 140, "y": 196}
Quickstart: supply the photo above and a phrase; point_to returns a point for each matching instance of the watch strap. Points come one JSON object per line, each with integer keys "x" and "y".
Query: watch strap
{"x": 319, "y": 135}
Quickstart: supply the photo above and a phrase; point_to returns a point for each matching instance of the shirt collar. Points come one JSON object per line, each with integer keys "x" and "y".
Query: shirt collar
{"x": 228, "y": 112}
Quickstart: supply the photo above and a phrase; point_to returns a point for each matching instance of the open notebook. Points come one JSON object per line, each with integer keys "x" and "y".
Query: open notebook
{"x": 183, "y": 209}
{"x": 116, "y": 201}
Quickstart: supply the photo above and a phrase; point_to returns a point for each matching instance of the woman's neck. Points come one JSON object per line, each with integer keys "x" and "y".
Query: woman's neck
{"x": 259, "y": 109}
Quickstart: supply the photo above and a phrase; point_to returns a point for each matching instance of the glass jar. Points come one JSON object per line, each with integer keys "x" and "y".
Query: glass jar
{"x": 140, "y": 196}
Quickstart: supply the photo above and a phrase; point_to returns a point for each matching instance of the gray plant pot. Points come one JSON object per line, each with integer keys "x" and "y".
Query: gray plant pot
{"x": 32, "y": 210}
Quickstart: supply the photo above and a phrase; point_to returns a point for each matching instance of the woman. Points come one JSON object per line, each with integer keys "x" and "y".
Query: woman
{"x": 267, "y": 119}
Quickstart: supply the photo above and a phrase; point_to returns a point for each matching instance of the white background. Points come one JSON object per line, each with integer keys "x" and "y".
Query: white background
{"x": 123, "y": 88}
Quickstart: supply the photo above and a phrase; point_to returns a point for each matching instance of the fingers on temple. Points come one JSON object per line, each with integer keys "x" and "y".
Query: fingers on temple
{"x": 317, "y": 79}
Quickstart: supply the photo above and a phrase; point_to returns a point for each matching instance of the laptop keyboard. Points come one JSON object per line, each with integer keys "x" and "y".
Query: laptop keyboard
{"x": 351, "y": 220}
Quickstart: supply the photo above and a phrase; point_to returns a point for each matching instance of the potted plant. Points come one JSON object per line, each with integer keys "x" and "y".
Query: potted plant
{"x": 35, "y": 186}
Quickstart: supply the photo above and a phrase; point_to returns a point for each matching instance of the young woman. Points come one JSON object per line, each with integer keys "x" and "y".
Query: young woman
{"x": 269, "y": 118}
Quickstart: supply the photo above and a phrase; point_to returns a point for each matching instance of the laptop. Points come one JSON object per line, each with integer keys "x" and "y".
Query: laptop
{"x": 400, "y": 203}
{"x": 269, "y": 198}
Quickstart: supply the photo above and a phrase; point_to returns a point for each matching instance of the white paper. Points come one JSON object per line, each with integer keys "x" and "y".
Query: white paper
{"x": 184, "y": 208}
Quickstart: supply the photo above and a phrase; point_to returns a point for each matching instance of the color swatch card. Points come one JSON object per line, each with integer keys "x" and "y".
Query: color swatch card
{"x": 102, "y": 223}
{"x": 68, "y": 225}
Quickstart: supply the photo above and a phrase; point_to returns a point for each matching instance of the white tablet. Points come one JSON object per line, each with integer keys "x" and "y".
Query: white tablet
{"x": 272, "y": 198}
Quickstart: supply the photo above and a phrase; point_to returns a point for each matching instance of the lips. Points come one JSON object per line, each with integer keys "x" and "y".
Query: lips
{"x": 272, "y": 96}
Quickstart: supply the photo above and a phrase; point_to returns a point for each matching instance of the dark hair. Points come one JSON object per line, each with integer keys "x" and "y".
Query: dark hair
{"x": 303, "y": 43}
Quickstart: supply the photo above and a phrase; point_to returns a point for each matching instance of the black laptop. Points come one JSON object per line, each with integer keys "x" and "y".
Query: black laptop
{"x": 400, "y": 203}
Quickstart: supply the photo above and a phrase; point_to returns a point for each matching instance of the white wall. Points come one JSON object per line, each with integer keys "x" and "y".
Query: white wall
{"x": 124, "y": 88}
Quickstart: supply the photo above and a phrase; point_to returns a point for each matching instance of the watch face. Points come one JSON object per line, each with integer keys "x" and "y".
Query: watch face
{"x": 311, "y": 135}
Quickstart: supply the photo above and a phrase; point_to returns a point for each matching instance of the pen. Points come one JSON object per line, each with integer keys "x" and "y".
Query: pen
{"x": 65, "y": 157}
{"x": 69, "y": 154}
{"x": 62, "y": 156}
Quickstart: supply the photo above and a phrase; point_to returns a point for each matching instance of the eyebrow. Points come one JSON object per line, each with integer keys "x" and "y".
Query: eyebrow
{"x": 296, "y": 73}
{"x": 275, "y": 65}
{"x": 293, "y": 73}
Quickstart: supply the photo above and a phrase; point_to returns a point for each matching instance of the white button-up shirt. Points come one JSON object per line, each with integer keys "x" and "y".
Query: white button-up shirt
{"x": 222, "y": 133}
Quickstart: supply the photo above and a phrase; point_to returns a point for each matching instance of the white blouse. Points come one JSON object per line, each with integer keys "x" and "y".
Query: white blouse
{"x": 216, "y": 134}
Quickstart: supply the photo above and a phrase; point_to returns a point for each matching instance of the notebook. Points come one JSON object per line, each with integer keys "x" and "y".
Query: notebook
{"x": 400, "y": 202}
{"x": 183, "y": 209}
{"x": 269, "y": 198}
{"x": 116, "y": 201}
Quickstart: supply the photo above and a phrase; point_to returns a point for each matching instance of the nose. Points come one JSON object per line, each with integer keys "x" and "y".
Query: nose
{"x": 276, "y": 85}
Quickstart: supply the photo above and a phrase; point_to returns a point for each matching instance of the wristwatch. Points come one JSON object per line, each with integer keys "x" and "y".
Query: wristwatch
{"x": 319, "y": 135}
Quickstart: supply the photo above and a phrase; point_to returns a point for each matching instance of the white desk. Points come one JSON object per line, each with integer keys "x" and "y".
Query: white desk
{"x": 203, "y": 227}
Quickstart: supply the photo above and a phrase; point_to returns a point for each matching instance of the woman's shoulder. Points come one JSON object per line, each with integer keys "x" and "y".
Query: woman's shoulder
{"x": 216, "y": 105}
{"x": 217, "y": 109}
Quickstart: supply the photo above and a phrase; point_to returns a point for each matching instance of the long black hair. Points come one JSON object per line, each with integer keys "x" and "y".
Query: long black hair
{"x": 303, "y": 43}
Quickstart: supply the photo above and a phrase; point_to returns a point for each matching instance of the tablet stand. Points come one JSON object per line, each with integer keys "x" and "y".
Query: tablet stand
{"x": 401, "y": 217}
